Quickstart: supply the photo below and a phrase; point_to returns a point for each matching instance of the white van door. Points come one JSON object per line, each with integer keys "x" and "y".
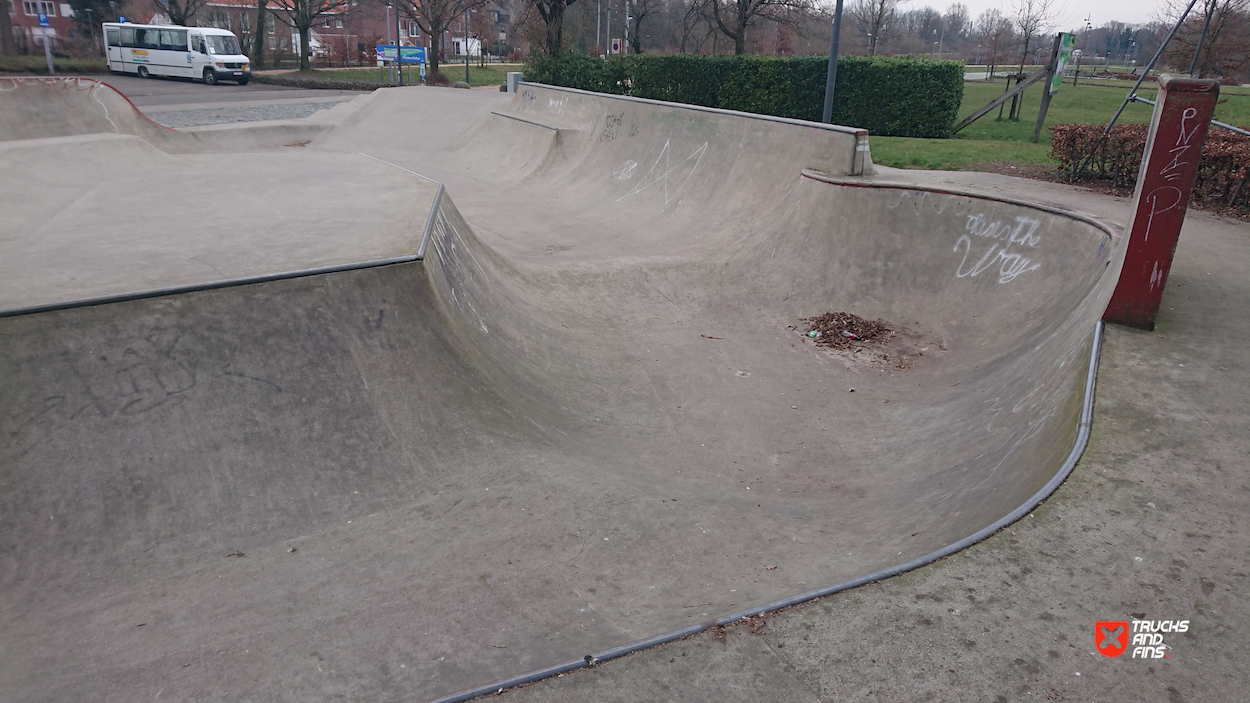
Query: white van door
{"x": 195, "y": 50}
{"x": 112, "y": 38}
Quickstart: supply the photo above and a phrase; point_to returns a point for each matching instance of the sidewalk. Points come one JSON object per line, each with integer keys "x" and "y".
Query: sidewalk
{"x": 1150, "y": 525}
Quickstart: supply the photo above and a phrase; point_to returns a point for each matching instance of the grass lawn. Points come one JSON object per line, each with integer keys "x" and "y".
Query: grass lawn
{"x": 490, "y": 74}
{"x": 1004, "y": 142}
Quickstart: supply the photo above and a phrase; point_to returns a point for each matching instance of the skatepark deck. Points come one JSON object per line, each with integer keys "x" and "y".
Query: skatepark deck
{"x": 437, "y": 439}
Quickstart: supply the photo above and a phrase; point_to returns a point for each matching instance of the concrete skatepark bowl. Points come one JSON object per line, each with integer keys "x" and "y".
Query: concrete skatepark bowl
{"x": 441, "y": 388}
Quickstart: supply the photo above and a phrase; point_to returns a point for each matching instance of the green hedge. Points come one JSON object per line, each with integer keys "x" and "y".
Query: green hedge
{"x": 888, "y": 96}
{"x": 317, "y": 82}
{"x": 38, "y": 64}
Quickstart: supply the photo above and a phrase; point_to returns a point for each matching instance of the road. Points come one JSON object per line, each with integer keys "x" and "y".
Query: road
{"x": 172, "y": 92}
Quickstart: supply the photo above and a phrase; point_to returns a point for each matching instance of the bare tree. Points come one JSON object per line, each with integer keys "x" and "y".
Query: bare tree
{"x": 435, "y": 17}
{"x": 1033, "y": 18}
{"x": 181, "y": 12}
{"x": 641, "y": 9}
{"x": 552, "y": 14}
{"x": 876, "y": 18}
{"x": 300, "y": 15}
{"x": 995, "y": 31}
{"x": 1224, "y": 51}
{"x": 688, "y": 21}
{"x": 733, "y": 17}
{"x": 956, "y": 23}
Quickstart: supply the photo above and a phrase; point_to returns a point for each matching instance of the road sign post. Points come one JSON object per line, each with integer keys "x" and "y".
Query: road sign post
{"x": 47, "y": 47}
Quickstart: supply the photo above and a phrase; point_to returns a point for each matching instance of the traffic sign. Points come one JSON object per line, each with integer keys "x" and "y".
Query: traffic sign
{"x": 43, "y": 19}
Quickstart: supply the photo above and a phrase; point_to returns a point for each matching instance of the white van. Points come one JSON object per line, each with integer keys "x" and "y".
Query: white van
{"x": 206, "y": 53}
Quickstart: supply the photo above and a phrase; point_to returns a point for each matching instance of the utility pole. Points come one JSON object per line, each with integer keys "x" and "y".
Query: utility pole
{"x": 466, "y": 43}
{"x": 399, "y": 55}
{"x": 831, "y": 74}
{"x": 391, "y": 72}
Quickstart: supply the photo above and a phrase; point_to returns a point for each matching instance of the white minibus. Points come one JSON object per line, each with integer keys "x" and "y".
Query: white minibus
{"x": 206, "y": 53}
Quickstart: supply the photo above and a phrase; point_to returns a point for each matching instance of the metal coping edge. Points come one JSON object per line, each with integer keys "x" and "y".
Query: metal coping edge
{"x": 211, "y": 285}
{"x": 429, "y": 222}
{"x": 851, "y": 182}
{"x": 522, "y": 119}
{"x": 1078, "y": 448}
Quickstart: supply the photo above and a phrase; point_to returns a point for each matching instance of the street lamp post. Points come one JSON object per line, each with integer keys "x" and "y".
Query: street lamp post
{"x": 1078, "y": 53}
{"x": 91, "y": 26}
{"x": 831, "y": 73}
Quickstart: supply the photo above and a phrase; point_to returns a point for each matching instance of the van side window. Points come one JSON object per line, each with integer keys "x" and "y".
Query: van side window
{"x": 173, "y": 39}
{"x": 128, "y": 38}
{"x": 114, "y": 37}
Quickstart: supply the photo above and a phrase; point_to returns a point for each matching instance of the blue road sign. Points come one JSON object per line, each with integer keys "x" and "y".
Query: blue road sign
{"x": 43, "y": 20}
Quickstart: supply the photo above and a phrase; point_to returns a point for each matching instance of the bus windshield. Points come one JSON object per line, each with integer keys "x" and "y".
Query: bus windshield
{"x": 219, "y": 44}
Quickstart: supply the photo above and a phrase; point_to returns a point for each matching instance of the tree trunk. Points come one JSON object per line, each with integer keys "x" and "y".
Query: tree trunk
{"x": 433, "y": 54}
{"x": 7, "y": 46}
{"x": 740, "y": 43}
{"x": 555, "y": 29}
{"x": 258, "y": 39}
{"x": 304, "y": 44}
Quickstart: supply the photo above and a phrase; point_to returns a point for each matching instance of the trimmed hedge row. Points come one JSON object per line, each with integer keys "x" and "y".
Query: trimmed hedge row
{"x": 888, "y": 96}
{"x": 317, "y": 83}
{"x": 38, "y": 64}
{"x": 1223, "y": 170}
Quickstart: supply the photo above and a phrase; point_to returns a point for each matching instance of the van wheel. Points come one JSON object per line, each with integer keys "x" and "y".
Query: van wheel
{"x": 242, "y": 81}
{"x": 210, "y": 76}
{"x": 143, "y": 72}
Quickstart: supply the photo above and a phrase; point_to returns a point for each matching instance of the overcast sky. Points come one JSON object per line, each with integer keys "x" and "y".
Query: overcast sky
{"x": 1071, "y": 13}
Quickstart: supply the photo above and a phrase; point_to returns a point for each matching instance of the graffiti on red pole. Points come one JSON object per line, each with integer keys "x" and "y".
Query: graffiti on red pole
{"x": 1173, "y": 148}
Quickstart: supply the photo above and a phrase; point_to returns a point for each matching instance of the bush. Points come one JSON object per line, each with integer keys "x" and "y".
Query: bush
{"x": 1222, "y": 171}
{"x": 316, "y": 82}
{"x": 38, "y": 64}
{"x": 888, "y": 96}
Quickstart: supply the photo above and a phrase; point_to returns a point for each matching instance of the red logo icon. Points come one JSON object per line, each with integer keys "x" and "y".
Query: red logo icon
{"x": 1111, "y": 636}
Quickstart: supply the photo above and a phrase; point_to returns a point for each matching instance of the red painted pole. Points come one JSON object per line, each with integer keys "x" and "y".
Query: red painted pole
{"x": 1173, "y": 147}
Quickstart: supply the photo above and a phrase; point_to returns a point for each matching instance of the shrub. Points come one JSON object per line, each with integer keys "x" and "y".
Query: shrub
{"x": 38, "y": 64}
{"x": 1222, "y": 170}
{"x": 889, "y": 96}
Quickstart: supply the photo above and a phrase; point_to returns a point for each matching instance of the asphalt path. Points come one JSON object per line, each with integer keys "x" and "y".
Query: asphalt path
{"x": 174, "y": 92}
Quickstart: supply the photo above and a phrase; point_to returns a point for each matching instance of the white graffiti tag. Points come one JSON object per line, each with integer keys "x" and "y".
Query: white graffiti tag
{"x": 672, "y": 177}
{"x": 626, "y": 171}
{"x": 1021, "y": 233}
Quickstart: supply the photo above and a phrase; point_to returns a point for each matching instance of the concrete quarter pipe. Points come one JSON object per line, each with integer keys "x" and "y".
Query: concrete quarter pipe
{"x": 449, "y": 387}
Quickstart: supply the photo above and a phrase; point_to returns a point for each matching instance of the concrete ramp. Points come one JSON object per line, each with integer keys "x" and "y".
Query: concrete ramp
{"x": 35, "y": 108}
{"x": 587, "y": 418}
